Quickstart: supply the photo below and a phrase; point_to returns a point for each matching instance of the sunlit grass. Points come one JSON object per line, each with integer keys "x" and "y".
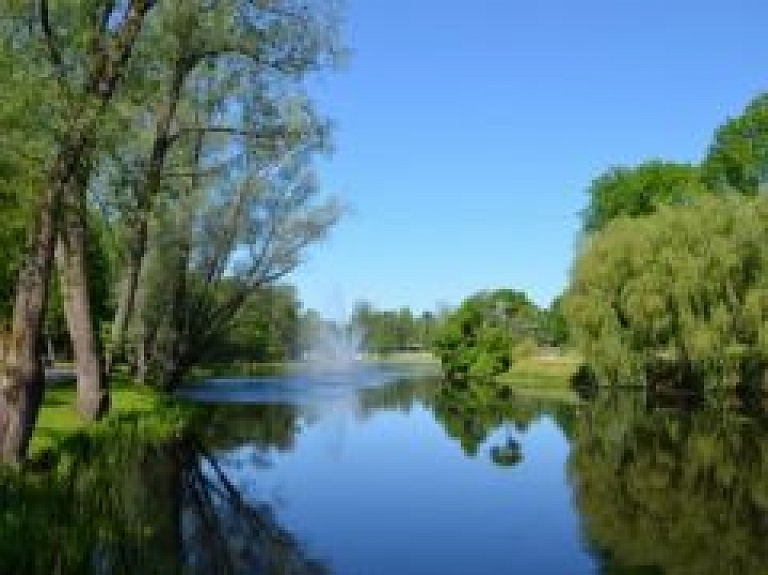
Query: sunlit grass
{"x": 155, "y": 415}
{"x": 543, "y": 371}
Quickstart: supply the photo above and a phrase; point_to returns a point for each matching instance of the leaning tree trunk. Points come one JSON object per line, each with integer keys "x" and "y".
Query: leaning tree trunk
{"x": 92, "y": 398}
{"x": 23, "y": 380}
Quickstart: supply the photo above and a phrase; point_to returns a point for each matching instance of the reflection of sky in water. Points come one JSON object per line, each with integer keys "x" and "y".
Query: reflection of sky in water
{"x": 301, "y": 388}
{"x": 391, "y": 494}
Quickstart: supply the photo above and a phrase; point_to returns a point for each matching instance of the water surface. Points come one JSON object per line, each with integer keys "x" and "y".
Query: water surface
{"x": 411, "y": 477}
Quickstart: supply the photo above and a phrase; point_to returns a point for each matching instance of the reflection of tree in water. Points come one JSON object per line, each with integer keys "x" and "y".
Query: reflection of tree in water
{"x": 120, "y": 504}
{"x": 272, "y": 426}
{"x": 472, "y": 411}
{"x": 225, "y": 533}
{"x": 671, "y": 492}
{"x": 402, "y": 394}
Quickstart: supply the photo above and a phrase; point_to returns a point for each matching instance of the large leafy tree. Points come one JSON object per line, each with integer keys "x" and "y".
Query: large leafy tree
{"x": 386, "y": 331}
{"x": 121, "y": 82}
{"x": 686, "y": 285}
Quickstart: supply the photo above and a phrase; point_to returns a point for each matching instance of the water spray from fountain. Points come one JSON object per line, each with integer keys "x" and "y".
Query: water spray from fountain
{"x": 334, "y": 346}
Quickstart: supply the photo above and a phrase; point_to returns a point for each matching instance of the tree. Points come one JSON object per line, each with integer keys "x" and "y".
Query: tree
{"x": 79, "y": 67}
{"x": 229, "y": 78}
{"x": 216, "y": 256}
{"x": 553, "y": 326}
{"x": 640, "y": 190}
{"x": 265, "y": 329}
{"x": 113, "y": 88}
{"x": 737, "y": 159}
{"x": 387, "y": 331}
{"x": 686, "y": 285}
{"x": 476, "y": 340}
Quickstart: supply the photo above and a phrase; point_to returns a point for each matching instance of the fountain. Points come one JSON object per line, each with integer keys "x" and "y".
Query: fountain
{"x": 333, "y": 370}
{"x": 334, "y": 346}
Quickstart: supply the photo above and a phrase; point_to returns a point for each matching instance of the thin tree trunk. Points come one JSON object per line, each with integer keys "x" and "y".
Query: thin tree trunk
{"x": 23, "y": 382}
{"x": 146, "y": 192}
{"x": 92, "y": 398}
{"x": 125, "y": 307}
{"x": 50, "y": 351}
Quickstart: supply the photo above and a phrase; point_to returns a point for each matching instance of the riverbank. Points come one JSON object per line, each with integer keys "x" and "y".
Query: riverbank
{"x": 154, "y": 415}
{"x": 543, "y": 375}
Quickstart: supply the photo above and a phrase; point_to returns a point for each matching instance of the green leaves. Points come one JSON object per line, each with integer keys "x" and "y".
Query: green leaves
{"x": 639, "y": 191}
{"x": 738, "y": 157}
{"x": 686, "y": 284}
{"x": 476, "y": 340}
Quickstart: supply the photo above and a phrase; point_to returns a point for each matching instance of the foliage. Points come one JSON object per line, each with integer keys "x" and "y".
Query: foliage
{"x": 737, "y": 159}
{"x": 663, "y": 491}
{"x": 188, "y": 128}
{"x": 688, "y": 285}
{"x": 476, "y": 340}
{"x": 265, "y": 329}
{"x": 553, "y": 326}
{"x": 386, "y": 331}
{"x": 640, "y": 190}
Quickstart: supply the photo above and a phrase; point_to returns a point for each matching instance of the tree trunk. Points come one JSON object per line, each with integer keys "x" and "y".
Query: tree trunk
{"x": 125, "y": 306}
{"x": 146, "y": 192}
{"x": 92, "y": 398}
{"x": 50, "y": 351}
{"x": 23, "y": 382}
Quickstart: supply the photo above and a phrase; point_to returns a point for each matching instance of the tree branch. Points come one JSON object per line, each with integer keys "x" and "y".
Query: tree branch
{"x": 51, "y": 43}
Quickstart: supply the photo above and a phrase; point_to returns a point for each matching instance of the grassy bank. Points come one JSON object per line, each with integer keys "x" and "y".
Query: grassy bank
{"x": 545, "y": 371}
{"x": 154, "y": 415}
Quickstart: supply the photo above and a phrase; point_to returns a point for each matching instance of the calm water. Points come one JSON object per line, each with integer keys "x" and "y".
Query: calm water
{"x": 411, "y": 478}
{"x": 391, "y": 473}
{"x": 383, "y": 489}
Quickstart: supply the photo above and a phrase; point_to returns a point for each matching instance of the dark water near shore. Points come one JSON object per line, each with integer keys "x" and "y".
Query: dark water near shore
{"x": 387, "y": 472}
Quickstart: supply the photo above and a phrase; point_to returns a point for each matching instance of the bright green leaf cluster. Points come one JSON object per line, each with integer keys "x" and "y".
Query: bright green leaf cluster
{"x": 476, "y": 340}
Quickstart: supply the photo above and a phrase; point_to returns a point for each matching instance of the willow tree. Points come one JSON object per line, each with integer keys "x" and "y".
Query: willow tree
{"x": 687, "y": 285}
{"x": 228, "y": 241}
{"x": 98, "y": 64}
{"x": 250, "y": 59}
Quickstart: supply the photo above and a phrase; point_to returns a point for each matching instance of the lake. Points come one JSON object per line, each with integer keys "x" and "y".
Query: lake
{"x": 411, "y": 477}
{"x": 388, "y": 470}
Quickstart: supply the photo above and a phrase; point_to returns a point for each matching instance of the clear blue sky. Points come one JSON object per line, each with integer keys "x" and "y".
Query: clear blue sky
{"x": 468, "y": 130}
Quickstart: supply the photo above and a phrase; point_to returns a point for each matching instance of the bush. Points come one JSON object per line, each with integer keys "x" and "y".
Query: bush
{"x": 476, "y": 340}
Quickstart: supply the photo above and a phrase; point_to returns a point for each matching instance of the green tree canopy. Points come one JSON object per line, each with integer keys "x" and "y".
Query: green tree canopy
{"x": 738, "y": 156}
{"x": 476, "y": 340}
{"x": 639, "y": 191}
{"x": 688, "y": 284}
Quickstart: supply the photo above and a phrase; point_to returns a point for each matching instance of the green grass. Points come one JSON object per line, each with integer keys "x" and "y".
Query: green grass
{"x": 542, "y": 372}
{"x": 403, "y": 357}
{"x": 154, "y": 415}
